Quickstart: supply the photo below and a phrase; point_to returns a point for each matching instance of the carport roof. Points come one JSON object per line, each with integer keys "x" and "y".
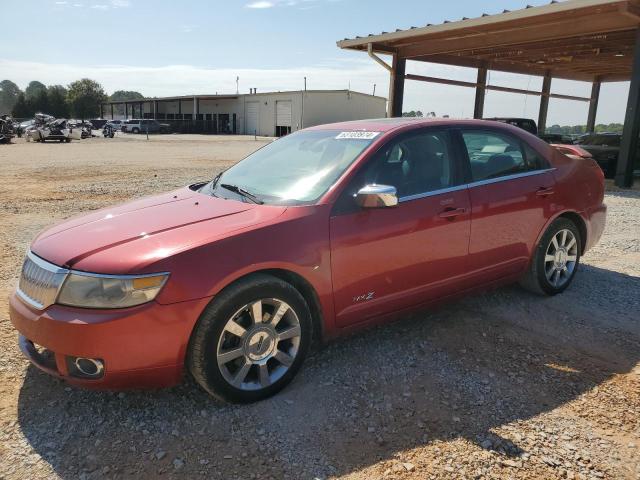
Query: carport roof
{"x": 576, "y": 39}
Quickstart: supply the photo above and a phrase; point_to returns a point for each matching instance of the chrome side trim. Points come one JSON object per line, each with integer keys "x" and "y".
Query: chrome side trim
{"x": 509, "y": 177}
{"x": 440, "y": 191}
{"x": 488, "y": 181}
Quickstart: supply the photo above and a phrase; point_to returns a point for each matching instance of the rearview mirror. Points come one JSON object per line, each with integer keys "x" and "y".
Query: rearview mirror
{"x": 377, "y": 196}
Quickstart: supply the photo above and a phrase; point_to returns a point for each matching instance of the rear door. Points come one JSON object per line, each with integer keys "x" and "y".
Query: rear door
{"x": 390, "y": 258}
{"x": 511, "y": 193}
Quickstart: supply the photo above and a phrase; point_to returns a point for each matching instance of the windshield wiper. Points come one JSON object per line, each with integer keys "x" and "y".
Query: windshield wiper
{"x": 214, "y": 182}
{"x": 243, "y": 192}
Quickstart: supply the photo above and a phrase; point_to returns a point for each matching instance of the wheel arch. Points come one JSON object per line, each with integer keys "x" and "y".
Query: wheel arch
{"x": 580, "y": 224}
{"x": 574, "y": 217}
{"x": 300, "y": 283}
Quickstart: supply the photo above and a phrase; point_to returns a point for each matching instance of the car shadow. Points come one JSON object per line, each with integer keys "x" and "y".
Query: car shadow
{"x": 458, "y": 372}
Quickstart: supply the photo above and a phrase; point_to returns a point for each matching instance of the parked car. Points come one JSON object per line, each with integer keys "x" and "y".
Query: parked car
{"x": 116, "y": 124}
{"x": 6, "y": 129}
{"x": 57, "y": 130}
{"x": 84, "y": 126}
{"x": 557, "y": 138}
{"x": 144, "y": 126}
{"x": 24, "y": 126}
{"x": 605, "y": 149}
{"x": 98, "y": 123}
{"x": 323, "y": 231}
{"x": 525, "y": 124}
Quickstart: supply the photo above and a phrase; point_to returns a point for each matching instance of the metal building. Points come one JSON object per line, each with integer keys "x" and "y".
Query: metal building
{"x": 266, "y": 114}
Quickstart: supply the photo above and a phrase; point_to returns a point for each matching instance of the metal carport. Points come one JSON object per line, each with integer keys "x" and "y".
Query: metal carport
{"x": 587, "y": 40}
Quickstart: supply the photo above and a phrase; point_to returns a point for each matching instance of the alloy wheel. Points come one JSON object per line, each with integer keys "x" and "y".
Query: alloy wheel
{"x": 258, "y": 344}
{"x": 560, "y": 258}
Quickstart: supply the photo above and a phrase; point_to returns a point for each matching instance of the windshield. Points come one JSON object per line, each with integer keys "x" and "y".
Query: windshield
{"x": 294, "y": 170}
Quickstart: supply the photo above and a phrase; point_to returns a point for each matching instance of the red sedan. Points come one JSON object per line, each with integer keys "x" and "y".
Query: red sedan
{"x": 326, "y": 230}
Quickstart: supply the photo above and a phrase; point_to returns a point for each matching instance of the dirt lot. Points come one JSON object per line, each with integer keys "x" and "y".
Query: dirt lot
{"x": 500, "y": 385}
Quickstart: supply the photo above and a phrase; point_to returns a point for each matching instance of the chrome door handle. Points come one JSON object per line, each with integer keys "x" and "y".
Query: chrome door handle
{"x": 451, "y": 213}
{"x": 544, "y": 191}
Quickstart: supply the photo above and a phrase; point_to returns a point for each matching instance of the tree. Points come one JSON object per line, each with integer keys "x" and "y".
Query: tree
{"x": 57, "y": 99}
{"x": 21, "y": 109}
{"x": 39, "y": 103}
{"x": 9, "y": 92}
{"x": 84, "y": 98}
{"x": 34, "y": 89}
{"x": 121, "y": 96}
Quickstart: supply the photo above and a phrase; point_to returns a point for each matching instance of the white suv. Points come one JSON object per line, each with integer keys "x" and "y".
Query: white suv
{"x": 116, "y": 124}
{"x": 143, "y": 126}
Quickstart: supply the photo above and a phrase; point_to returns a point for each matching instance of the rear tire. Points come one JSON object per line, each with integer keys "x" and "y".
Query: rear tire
{"x": 239, "y": 359}
{"x": 555, "y": 260}
{"x": 135, "y": 130}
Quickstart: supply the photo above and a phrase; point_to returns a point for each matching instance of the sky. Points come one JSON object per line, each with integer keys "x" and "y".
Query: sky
{"x": 168, "y": 47}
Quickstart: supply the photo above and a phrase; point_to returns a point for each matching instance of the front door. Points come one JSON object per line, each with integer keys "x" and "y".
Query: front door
{"x": 387, "y": 259}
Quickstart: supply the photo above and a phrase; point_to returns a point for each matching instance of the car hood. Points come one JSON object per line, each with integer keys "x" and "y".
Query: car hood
{"x": 131, "y": 237}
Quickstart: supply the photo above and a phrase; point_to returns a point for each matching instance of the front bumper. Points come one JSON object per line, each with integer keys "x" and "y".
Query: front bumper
{"x": 141, "y": 347}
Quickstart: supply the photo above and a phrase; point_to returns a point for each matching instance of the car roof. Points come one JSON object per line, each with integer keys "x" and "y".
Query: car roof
{"x": 389, "y": 124}
{"x": 513, "y": 119}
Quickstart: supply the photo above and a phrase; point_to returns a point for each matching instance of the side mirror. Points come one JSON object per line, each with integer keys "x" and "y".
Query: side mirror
{"x": 377, "y": 196}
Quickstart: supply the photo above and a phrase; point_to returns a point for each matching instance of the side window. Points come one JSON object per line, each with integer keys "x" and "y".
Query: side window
{"x": 416, "y": 163}
{"x": 493, "y": 155}
{"x": 535, "y": 161}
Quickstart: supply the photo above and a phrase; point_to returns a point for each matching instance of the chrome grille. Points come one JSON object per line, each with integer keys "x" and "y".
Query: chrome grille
{"x": 40, "y": 281}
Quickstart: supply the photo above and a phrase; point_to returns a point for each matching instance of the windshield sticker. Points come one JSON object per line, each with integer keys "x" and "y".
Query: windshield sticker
{"x": 357, "y": 135}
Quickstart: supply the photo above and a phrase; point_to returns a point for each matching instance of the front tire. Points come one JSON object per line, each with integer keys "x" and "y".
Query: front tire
{"x": 555, "y": 260}
{"x": 251, "y": 340}
{"x": 135, "y": 130}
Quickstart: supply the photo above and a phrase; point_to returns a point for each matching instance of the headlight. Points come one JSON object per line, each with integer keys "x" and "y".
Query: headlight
{"x": 109, "y": 291}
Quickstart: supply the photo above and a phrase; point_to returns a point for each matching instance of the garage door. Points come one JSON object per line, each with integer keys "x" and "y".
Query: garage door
{"x": 252, "y": 118}
{"x": 283, "y": 113}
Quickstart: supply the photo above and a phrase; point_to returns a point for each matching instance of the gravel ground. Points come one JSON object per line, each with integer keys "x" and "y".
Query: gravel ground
{"x": 499, "y": 385}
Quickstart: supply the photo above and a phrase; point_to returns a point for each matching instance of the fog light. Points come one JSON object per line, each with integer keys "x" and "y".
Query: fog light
{"x": 82, "y": 367}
